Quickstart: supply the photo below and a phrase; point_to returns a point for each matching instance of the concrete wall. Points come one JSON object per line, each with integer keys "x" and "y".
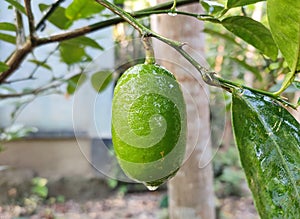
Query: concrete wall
{"x": 50, "y": 158}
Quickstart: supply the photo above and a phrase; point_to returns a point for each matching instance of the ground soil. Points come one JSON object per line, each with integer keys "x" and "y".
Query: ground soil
{"x": 142, "y": 205}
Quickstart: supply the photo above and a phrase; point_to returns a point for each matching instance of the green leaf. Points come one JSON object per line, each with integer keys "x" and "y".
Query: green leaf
{"x": 248, "y": 67}
{"x": 221, "y": 35}
{"x": 212, "y": 7}
{"x": 17, "y": 5}
{"x": 8, "y": 38}
{"x": 297, "y": 84}
{"x": 237, "y": 3}
{"x": 71, "y": 54}
{"x": 284, "y": 21}
{"x": 253, "y": 33}
{"x": 7, "y": 26}
{"x": 58, "y": 17}
{"x": 268, "y": 139}
{"x": 75, "y": 82}
{"x": 73, "y": 50}
{"x": 83, "y": 9}
{"x": 85, "y": 41}
{"x": 100, "y": 80}
{"x": 41, "y": 63}
{"x": 3, "y": 67}
{"x": 288, "y": 79}
{"x": 119, "y": 2}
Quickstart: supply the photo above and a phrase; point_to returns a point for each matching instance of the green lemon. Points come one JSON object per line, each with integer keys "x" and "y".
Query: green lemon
{"x": 149, "y": 124}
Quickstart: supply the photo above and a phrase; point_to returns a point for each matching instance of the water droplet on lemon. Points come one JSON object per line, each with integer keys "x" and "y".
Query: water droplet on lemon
{"x": 148, "y": 118}
{"x": 152, "y": 188}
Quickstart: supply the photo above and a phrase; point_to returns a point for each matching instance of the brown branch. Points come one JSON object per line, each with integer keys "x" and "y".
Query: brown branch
{"x": 20, "y": 32}
{"x": 19, "y": 55}
{"x": 30, "y": 19}
{"x": 100, "y": 25}
{"x": 15, "y": 60}
{"x": 31, "y": 92}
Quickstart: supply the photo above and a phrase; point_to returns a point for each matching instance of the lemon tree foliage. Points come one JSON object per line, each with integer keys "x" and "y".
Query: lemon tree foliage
{"x": 82, "y": 9}
{"x": 268, "y": 139}
{"x": 285, "y": 28}
{"x": 100, "y": 80}
{"x": 58, "y": 18}
{"x": 252, "y": 32}
{"x": 149, "y": 129}
{"x": 17, "y": 5}
{"x": 237, "y": 3}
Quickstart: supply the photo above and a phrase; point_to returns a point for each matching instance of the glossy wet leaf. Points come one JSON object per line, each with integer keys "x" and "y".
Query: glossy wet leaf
{"x": 83, "y": 9}
{"x": 268, "y": 139}
{"x": 237, "y": 3}
{"x": 252, "y": 32}
{"x": 58, "y": 17}
{"x": 284, "y": 21}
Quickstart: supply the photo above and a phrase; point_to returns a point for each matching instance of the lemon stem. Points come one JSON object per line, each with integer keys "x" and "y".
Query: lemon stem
{"x": 208, "y": 77}
{"x": 149, "y": 52}
{"x": 174, "y": 6}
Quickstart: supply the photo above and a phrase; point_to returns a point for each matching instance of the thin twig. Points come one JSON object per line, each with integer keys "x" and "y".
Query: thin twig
{"x": 123, "y": 14}
{"x": 30, "y": 20}
{"x": 20, "y": 32}
{"x": 99, "y": 25}
{"x": 208, "y": 77}
{"x": 43, "y": 62}
{"x": 19, "y": 55}
{"x": 54, "y": 83}
{"x": 32, "y": 92}
{"x": 30, "y": 77}
{"x": 174, "y": 5}
{"x": 16, "y": 59}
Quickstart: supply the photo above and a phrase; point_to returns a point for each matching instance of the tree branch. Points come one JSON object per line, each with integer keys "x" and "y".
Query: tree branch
{"x": 31, "y": 75}
{"x": 54, "y": 83}
{"x": 30, "y": 20}
{"x": 210, "y": 78}
{"x": 158, "y": 9}
{"x": 15, "y": 60}
{"x": 20, "y": 32}
{"x": 32, "y": 92}
{"x": 19, "y": 55}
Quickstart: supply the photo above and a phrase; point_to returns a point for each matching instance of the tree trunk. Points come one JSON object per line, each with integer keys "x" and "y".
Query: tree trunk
{"x": 191, "y": 190}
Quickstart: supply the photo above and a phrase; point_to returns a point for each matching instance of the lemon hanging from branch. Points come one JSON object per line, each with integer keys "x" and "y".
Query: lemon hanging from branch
{"x": 149, "y": 124}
